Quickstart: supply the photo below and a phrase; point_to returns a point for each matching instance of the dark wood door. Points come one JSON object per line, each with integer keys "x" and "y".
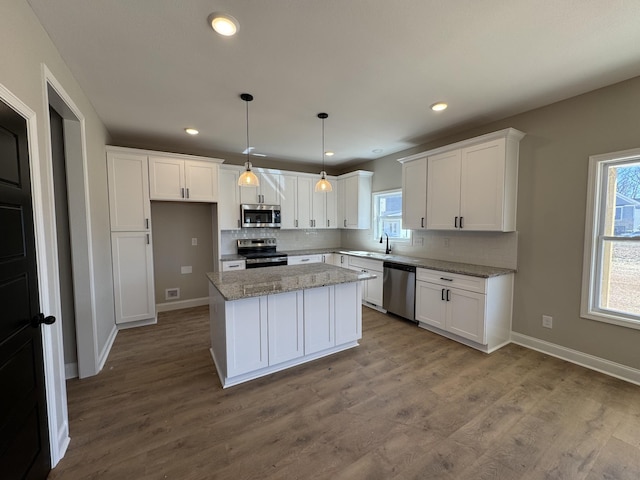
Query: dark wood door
{"x": 24, "y": 434}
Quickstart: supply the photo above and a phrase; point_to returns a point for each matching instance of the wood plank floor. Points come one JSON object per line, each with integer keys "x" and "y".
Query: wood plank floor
{"x": 405, "y": 404}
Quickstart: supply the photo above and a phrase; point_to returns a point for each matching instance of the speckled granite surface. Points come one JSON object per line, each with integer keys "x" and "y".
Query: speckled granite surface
{"x": 287, "y": 278}
{"x": 230, "y": 257}
{"x": 440, "y": 265}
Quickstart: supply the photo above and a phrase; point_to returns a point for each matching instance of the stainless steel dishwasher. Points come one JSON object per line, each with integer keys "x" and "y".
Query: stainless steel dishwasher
{"x": 399, "y": 289}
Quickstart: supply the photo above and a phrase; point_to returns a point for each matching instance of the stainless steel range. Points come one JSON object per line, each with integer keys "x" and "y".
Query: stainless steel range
{"x": 261, "y": 252}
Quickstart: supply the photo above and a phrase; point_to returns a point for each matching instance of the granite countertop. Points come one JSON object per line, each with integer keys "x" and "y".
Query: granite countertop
{"x": 230, "y": 257}
{"x": 256, "y": 282}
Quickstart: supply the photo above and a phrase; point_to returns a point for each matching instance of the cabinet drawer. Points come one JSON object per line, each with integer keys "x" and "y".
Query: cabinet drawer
{"x": 464, "y": 282}
{"x": 233, "y": 265}
{"x": 366, "y": 263}
{"x": 302, "y": 259}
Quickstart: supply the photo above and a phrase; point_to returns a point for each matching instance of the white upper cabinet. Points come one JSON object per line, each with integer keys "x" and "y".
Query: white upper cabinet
{"x": 469, "y": 185}
{"x": 128, "y": 179}
{"x": 180, "y": 179}
{"x": 288, "y": 201}
{"x": 414, "y": 194}
{"x": 331, "y": 199}
{"x": 228, "y": 198}
{"x": 354, "y": 200}
{"x": 267, "y": 193}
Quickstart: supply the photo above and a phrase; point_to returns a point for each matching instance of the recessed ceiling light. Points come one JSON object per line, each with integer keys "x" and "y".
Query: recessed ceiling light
{"x": 258, "y": 154}
{"x": 438, "y": 107}
{"x": 329, "y": 153}
{"x": 377, "y": 150}
{"x": 191, "y": 131}
{"x": 224, "y": 24}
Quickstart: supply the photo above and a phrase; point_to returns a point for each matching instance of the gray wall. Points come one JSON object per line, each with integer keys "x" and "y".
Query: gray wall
{"x": 174, "y": 224}
{"x": 551, "y": 212}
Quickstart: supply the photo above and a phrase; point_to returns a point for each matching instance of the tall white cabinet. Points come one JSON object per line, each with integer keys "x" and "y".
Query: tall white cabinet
{"x": 135, "y": 177}
{"x": 131, "y": 241}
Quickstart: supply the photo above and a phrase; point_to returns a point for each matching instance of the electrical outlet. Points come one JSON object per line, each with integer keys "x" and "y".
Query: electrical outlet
{"x": 188, "y": 269}
{"x": 194, "y": 242}
{"x": 547, "y": 321}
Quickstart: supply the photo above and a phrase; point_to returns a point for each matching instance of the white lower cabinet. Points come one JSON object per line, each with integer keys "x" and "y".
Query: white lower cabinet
{"x": 302, "y": 259}
{"x": 372, "y": 288}
{"x": 285, "y": 326}
{"x": 231, "y": 265}
{"x": 134, "y": 294}
{"x": 475, "y": 311}
{"x": 246, "y": 335}
{"x": 256, "y": 336}
{"x": 319, "y": 328}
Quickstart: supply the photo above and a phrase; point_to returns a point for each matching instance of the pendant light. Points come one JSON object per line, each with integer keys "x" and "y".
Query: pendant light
{"x": 248, "y": 178}
{"x": 323, "y": 184}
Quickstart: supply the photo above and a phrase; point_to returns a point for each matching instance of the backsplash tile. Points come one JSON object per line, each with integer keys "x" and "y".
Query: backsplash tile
{"x": 287, "y": 239}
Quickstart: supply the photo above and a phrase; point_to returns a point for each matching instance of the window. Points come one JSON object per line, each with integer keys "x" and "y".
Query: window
{"x": 387, "y": 215}
{"x": 611, "y": 273}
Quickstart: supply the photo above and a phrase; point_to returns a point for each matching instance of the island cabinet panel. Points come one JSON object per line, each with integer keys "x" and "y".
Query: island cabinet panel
{"x": 348, "y": 314}
{"x": 246, "y": 328}
{"x": 319, "y": 326}
{"x": 285, "y": 326}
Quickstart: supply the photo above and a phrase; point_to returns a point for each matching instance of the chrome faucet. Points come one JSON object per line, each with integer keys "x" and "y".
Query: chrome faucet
{"x": 388, "y": 249}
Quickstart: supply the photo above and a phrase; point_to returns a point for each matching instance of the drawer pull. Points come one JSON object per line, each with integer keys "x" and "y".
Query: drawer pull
{"x": 446, "y": 279}
{"x": 304, "y": 260}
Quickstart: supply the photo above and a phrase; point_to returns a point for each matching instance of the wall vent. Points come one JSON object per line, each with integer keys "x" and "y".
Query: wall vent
{"x": 172, "y": 294}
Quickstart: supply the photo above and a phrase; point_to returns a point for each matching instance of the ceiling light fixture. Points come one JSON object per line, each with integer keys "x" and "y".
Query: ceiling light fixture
{"x": 191, "y": 131}
{"x": 439, "y": 106}
{"x": 323, "y": 184}
{"x": 223, "y": 24}
{"x": 248, "y": 178}
{"x": 329, "y": 153}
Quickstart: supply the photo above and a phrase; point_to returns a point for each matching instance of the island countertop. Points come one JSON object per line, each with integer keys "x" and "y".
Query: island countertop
{"x": 256, "y": 282}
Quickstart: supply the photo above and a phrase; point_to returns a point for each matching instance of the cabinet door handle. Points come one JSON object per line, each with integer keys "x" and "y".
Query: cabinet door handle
{"x": 461, "y": 222}
{"x": 448, "y": 295}
{"x": 146, "y": 222}
{"x": 238, "y": 223}
{"x": 345, "y": 222}
{"x": 311, "y": 223}
{"x": 296, "y": 223}
{"x": 182, "y": 192}
{"x": 455, "y": 223}
{"x": 148, "y": 239}
{"x": 442, "y": 296}
{"x": 328, "y": 221}
{"x": 187, "y": 193}
{"x": 341, "y": 258}
{"x": 422, "y": 223}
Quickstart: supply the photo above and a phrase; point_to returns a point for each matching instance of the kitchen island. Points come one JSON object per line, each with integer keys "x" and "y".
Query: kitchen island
{"x": 269, "y": 319}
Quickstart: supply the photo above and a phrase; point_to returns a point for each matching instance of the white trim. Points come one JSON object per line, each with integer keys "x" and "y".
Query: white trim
{"x": 591, "y": 362}
{"x": 56, "y": 393}
{"x": 590, "y": 268}
{"x": 70, "y": 370}
{"x": 104, "y": 354}
{"x": 180, "y": 304}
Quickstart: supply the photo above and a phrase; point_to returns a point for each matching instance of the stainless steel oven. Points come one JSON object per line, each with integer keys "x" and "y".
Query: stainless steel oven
{"x": 260, "y": 216}
{"x": 260, "y": 252}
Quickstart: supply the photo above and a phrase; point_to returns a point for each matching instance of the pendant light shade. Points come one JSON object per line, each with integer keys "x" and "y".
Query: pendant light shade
{"x": 323, "y": 184}
{"x": 248, "y": 178}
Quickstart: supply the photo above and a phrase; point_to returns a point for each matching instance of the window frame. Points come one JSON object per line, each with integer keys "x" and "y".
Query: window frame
{"x": 595, "y": 238}
{"x": 374, "y": 218}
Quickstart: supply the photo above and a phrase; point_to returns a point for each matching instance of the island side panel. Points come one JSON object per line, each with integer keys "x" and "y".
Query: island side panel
{"x": 247, "y": 337}
{"x": 348, "y": 312}
{"x": 217, "y": 331}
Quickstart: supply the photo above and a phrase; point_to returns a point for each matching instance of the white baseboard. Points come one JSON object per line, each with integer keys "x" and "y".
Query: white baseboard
{"x": 180, "y": 304}
{"x": 104, "y": 354}
{"x": 70, "y": 370}
{"x": 617, "y": 370}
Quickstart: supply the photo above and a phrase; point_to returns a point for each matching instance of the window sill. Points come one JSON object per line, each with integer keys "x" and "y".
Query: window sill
{"x": 612, "y": 319}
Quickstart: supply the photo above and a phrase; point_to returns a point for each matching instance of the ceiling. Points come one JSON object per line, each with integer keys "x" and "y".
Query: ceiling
{"x": 153, "y": 67}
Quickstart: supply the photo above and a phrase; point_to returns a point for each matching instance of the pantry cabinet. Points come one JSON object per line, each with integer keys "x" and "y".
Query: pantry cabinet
{"x": 469, "y": 185}
{"x": 473, "y": 310}
{"x": 178, "y": 179}
{"x": 128, "y": 181}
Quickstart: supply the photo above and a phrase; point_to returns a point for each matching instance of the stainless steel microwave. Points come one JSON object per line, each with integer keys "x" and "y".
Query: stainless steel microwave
{"x": 260, "y": 216}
